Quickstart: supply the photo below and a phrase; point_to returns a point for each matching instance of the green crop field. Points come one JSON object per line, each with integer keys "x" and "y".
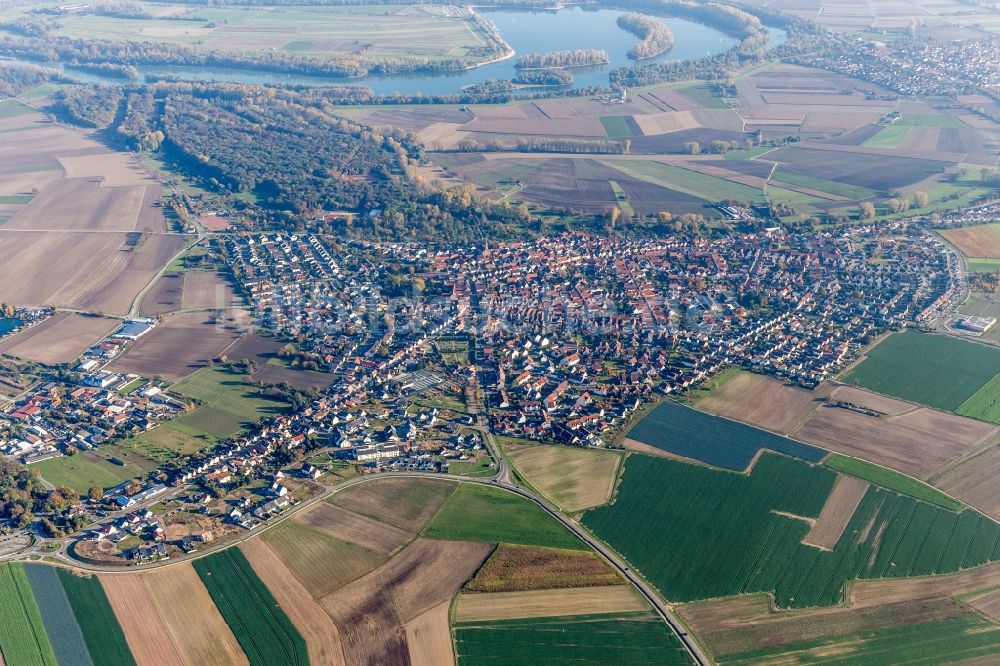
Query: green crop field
{"x": 703, "y": 186}
{"x": 634, "y": 638}
{"x": 22, "y": 634}
{"x": 888, "y": 137}
{"x": 15, "y": 198}
{"x": 892, "y": 480}
{"x": 263, "y": 630}
{"x": 934, "y": 370}
{"x": 480, "y": 513}
{"x": 101, "y": 632}
{"x": 968, "y": 636}
{"x": 698, "y": 533}
{"x": 984, "y": 404}
{"x": 833, "y": 187}
{"x": 616, "y": 126}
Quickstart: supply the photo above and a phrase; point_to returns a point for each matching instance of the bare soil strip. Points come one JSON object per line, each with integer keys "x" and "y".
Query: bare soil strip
{"x": 194, "y": 622}
{"x": 475, "y": 607}
{"x": 428, "y": 638}
{"x": 62, "y": 338}
{"x": 353, "y": 528}
{"x": 372, "y": 610}
{"x": 145, "y": 631}
{"x": 837, "y": 512}
{"x": 321, "y": 634}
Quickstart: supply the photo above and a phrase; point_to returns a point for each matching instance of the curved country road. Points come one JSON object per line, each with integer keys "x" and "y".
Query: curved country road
{"x": 502, "y": 479}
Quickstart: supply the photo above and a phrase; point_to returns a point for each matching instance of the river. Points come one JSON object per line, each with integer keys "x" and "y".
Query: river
{"x": 526, "y": 31}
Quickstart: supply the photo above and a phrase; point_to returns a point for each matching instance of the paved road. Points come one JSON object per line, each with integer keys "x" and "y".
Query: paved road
{"x": 503, "y": 479}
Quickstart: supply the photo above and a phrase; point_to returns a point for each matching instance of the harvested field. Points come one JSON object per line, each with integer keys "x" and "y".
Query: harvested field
{"x": 917, "y": 442}
{"x": 408, "y": 504}
{"x": 180, "y": 345}
{"x": 670, "y": 121}
{"x": 988, "y": 604}
{"x": 866, "y": 593}
{"x": 428, "y": 638}
{"x": 145, "y": 631}
{"x": 542, "y": 126}
{"x": 62, "y": 338}
{"x": 165, "y": 296}
{"x": 80, "y": 204}
{"x": 353, "y": 528}
{"x": 195, "y": 625}
{"x": 207, "y": 289}
{"x": 320, "y": 633}
{"x": 270, "y": 368}
{"x": 837, "y": 512}
{"x": 514, "y": 568}
{"x": 974, "y": 480}
{"x": 320, "y": 562}
{"x": 113, "y": 170}
{"x": 673, "y": 142}
{"x": 745, "y": 624}
{"x": 371, "y": 611}
{"x": 544, "y": 603}
{"x": 979, "y": 241}
{"x": 873, "y": 401}
{"x": 572, "y": 477}
{"x": 99, "y": 272}
{"x": 763, "y": 401}
{"x": 879, "y": 172}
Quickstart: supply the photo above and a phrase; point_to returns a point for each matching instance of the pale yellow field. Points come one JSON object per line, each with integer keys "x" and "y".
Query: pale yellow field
{"x": 837, "y": 512}
{"x": 428, "y": 638}
{"x": 475, "y": 607}
{"x": 574, "y": 478}
{"x": 320, "y": 633}
{"x": 194, "y": 623}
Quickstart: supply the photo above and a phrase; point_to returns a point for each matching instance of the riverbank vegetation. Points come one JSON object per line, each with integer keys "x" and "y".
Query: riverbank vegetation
{"x": 544, "y": 77}
{"x": 655, "y": 35}
{"x": 558, "y": 59}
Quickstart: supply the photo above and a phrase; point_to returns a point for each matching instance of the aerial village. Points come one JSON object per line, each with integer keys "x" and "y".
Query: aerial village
{"x": 429, "y": 352}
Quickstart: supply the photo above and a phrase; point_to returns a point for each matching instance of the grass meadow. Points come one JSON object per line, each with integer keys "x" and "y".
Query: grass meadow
{"x": 481, "y": 513}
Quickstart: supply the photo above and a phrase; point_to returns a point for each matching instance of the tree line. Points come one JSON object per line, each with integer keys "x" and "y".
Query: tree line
{"x": 572, "y": 58}
{"x": 544, "y": 77}
{"x": 281, "y": 158}
{"x": 655, "y": 35}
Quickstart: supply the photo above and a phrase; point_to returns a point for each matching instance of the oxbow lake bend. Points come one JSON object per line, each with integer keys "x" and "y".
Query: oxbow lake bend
{"x": 526, "y": 31}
